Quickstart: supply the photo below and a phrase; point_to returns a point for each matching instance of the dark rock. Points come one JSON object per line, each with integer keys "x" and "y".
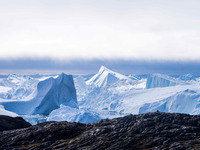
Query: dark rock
{"x": 145, "y": 131}
{"x": 10, "y": 123}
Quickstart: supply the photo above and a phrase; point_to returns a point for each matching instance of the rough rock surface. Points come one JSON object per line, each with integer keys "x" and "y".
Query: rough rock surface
{"x": 145, "y": 131}
{"x": 10, "y": 123}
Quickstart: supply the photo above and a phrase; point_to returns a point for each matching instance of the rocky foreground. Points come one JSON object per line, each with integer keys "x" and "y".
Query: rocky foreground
{"x": 10, "y": 123}
{"x": 145, "y": 131}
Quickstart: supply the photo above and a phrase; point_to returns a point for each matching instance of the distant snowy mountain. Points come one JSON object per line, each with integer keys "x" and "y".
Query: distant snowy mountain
{"x": 106, "y": 77}
{"x": 49, "y": 95}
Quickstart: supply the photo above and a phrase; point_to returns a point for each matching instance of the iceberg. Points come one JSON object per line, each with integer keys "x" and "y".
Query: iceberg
{"x": 187, "y": 101}
{"x": 106, "y": 77}
{"x": 49, "y": 95}
{"x": 66, "y": 113}
{"x": 159, "y": 80}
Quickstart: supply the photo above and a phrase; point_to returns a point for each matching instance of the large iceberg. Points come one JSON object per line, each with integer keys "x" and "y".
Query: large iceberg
{"x": 187, "y": 101}
{"x": 106, "y": 77}
{"x": 54, "y": 92}
{"x": 159, "y": 80}
{"x": 49, "y": 95}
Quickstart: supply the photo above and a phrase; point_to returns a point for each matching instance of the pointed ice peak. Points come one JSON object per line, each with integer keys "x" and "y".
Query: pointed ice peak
{"x": 108, "y": 77}
{"x": 61, "y": 76}
{"x": 102, "y": 69}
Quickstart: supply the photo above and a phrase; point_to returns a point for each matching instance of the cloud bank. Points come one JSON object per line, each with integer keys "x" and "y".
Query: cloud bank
{"x": 123, "y": 29}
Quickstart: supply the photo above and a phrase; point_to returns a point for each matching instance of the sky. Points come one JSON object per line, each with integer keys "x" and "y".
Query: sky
{"x": 79, "y": 36}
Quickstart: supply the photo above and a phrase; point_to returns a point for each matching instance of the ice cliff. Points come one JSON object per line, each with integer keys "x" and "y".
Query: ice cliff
{"x": 159, "y": 80}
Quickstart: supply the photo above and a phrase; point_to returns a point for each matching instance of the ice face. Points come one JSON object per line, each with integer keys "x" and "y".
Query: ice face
{"x": 159, "y": 80}
{"x": 60, "y": 91}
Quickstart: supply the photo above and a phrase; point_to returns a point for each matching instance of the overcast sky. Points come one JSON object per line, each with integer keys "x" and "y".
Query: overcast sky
{"x": 67, "y": 30}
